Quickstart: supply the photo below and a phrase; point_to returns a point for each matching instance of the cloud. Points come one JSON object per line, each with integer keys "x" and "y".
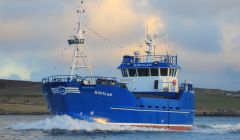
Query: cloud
{"x": 153, "y": 23}
{"x": 205, "y": 35}
{"x": 12, "y": 68}
{"x": 12, "y": 31}
{"x": 112, "y": 16}
{"x": 116, "y": 18}
{"x": 231, "y": 45}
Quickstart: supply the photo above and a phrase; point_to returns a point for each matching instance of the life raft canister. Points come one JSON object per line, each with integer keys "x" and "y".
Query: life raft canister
{"x": 174, "y": 82}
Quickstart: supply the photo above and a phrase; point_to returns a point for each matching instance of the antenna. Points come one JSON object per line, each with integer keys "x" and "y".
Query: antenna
{"x": 80, "y": 12}
{"x": 164, "y": 38}
{"x": 149, "y": 42}
{"x": 80, "y": 56}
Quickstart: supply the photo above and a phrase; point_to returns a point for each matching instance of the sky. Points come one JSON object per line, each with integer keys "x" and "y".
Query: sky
{"x": 204, "y": 34}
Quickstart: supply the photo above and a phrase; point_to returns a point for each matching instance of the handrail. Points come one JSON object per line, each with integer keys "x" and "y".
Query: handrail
{"x": 67, "y": 78}
{"x": 160, "y": 58}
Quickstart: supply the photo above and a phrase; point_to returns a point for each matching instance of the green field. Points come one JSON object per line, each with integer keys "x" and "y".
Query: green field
{"x": 214, "y": 100}
{"x": 21, "y": 97}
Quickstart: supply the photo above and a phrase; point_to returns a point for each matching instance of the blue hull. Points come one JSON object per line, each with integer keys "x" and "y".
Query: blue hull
{"x": 116, "y": 105}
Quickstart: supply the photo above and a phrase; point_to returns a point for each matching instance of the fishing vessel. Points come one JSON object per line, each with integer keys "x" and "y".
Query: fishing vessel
{"x": 147, "y": 94}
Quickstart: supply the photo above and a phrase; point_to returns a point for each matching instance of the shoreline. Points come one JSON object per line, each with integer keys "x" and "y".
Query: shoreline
{"x": 24, "y": 113}
{"x": 25, "y": 98}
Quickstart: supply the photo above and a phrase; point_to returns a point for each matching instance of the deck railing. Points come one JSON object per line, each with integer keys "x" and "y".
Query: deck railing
{"x": 158, "y": 58}
{"x": 69, "y": 78}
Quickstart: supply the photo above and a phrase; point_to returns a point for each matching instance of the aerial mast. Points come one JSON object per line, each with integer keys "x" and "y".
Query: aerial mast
{"x": 149, "y": 42}
{"x": 80, "y": 56}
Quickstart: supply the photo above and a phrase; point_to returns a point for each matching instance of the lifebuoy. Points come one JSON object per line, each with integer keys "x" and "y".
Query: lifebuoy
{"x": 174, "y": 82}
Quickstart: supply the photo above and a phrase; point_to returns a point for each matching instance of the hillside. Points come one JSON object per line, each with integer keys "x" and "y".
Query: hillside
{"x": 22, "y": 97}
{"x": 217, "y": 102}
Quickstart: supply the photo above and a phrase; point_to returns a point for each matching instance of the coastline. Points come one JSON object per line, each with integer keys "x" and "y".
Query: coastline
{"x": 25, "y": 98}
{"x": 218, "y": 114}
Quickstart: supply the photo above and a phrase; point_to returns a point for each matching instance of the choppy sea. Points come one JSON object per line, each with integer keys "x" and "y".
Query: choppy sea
{"x": 17, "y": 127}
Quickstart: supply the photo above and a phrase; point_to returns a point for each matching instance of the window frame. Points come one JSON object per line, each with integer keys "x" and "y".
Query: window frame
{"x": 170, "y": 72}
{"x": 157, "y": 70}
{"x": 136, "y": 73}
{"x": 176, "y": 72}
{"x": 166, "y": 72}
{"x": 142, "y": 74}
{"x": 125, "y": 73}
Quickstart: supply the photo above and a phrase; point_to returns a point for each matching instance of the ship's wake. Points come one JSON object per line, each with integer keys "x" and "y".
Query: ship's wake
{"x": 217, "y": 128}
{"x": 66, "y": 124}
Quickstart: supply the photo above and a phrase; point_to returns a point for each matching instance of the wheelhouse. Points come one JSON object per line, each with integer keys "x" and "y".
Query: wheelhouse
{"x": 156, "y": 73}
{"x": 138, "y": 72}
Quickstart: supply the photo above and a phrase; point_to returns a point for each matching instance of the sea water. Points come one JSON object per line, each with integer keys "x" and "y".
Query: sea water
{"x": 17, "y": 127}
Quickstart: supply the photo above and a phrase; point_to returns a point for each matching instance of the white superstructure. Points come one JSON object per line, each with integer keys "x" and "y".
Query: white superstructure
{"x": 150, "y": 73}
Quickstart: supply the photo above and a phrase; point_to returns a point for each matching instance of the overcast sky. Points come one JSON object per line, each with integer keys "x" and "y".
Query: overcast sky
{"x": 205, "y": 35}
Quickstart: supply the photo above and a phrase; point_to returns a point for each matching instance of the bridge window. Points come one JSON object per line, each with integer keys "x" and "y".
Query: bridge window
{"x": 132, "y": 72}
{"x": 170, "y": 72}
{"x": 124, "y": 73}
{"x": 175, "y": 72}
{"x": 154, "y": 72}
{"x": 164, "y": 72}
{"x": 143, "y": 72}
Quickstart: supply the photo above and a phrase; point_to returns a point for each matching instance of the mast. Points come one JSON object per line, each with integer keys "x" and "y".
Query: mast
{"x": 80, "y": 56}
{"x": 149, "y": 42}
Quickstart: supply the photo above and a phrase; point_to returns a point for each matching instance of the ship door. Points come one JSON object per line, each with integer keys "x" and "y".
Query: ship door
{"x": 156, "y": 84}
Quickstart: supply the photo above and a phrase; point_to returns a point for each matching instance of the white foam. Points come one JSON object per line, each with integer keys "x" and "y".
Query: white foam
{"x": 217, "y": 128}
{"x": 67, "y": 123}
{"x": 227, "y": 127}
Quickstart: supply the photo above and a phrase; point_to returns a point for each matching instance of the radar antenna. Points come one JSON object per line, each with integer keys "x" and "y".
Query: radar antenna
{"x": 80, "y": 56}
